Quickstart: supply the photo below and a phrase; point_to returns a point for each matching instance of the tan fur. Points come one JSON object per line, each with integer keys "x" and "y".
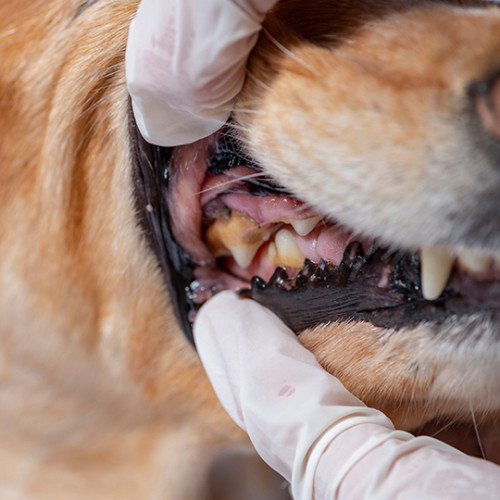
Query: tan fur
{"x": 100, "y": 394}
{"x": 368, "y": 131}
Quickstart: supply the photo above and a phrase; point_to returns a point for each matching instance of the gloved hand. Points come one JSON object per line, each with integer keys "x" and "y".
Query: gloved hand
{"x": 185, "y": 62}
{"x": 310, "y": 429}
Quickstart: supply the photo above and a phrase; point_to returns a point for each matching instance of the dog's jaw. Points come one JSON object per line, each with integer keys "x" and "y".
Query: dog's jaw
{"x": 407, "y": 190}
{"x": 413, "y": 375}
{"x": 432, "y": 183}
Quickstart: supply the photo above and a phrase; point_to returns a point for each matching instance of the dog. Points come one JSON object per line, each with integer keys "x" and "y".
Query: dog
{"x": 374, "y": 127}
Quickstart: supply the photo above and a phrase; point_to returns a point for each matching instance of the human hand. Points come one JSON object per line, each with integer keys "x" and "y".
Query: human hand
{"x": 309, "y": 428}
{"x": 185, "y": 62}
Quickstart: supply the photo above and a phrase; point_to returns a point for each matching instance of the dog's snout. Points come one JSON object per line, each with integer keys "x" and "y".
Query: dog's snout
{"x": 486, "y": 99}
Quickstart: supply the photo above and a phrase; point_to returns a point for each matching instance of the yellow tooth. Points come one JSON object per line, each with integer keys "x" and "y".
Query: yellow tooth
{"x": 304, "y": 226}
{"x": 288, "y": 252}
{"x": 474, "y": 262}
{"x": 272, "y": 254}
{"x": 436, "y": 263}
{"x": 237, "y": 235}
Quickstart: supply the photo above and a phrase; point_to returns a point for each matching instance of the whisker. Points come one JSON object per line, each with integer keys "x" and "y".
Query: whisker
{"x": 288, "y": 52}
{"x": 228, "y": 133}
{"x": 442, "y": 429}
{"x": 232, "y": 109}
{"x": 476, "y": 430}
{"x": 257, "y": 80}
{"x": 235, "y": 126}
{"x": 249, "y": 111}
{"x": 231, "y": 181}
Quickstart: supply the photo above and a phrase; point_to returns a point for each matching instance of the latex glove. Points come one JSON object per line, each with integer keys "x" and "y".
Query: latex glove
{"x": 185, "y": 62}
{"x": 310, "y": 429}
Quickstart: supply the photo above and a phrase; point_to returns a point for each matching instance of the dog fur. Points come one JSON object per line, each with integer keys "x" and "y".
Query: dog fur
{"x": 393, "y": 130}
{"x": 100, "y": 394}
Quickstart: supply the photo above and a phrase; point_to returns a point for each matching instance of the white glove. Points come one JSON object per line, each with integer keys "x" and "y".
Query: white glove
{"x": 185, "y": 62}
{"x": 310, "y": 429}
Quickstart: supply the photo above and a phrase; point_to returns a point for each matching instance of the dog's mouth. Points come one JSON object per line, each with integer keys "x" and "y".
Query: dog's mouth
{"x": 217, "y": 221}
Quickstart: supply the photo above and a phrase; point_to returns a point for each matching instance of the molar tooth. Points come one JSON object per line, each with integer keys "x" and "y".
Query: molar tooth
{"x": 304, "y": 226}
{"x": 436, "y": 263}
{"x": 289, "y": 254}
{"x": 237, "y": 235}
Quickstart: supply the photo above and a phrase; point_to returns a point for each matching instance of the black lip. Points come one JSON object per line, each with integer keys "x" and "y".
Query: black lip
{"x": 319, "y": 294}
{"x": 151, "y": 183}
{"x": 351, "y": 292}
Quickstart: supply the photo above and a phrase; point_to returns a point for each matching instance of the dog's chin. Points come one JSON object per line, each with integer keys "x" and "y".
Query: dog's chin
{"x": 218, "y": 221}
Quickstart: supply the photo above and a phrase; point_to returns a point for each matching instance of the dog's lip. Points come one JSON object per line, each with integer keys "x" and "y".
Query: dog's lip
{"x": 352, "y": 292}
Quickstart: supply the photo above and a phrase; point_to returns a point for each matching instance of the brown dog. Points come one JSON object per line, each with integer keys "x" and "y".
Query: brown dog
{"x": 383, "y": 119}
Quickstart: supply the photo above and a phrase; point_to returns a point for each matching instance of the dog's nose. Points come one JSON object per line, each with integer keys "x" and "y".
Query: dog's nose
{"x": 486, "y": 99}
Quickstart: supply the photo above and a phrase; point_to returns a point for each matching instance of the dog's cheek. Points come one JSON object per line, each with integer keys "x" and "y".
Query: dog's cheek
{"x": 355, "y": 134}
{"x": 378, "y": 368}
{"x": 412, "y": 375}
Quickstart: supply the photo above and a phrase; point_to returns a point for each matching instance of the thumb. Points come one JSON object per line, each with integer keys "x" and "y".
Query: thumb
{"x": 309, "y": 428}
{"x": 270, "y": 384}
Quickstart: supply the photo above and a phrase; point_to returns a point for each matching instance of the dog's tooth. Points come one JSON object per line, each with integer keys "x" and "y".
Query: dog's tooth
{"x": 272, "y": 253}
{"x": 237, "y": 235}
{"x": 243, "y": 254}
{"x": 436, "y": 264}
{"x": 474, "y": 262}
{"x": 304, "y": 226}
{"x": 288, "y": 252}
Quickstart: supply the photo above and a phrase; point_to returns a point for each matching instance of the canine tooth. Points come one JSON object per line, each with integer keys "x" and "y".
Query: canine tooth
{"x": 304, "y": 226}
{"x": 436, "y": 263}
{"x": 474, "y": 262}
{"x": 244, "y": 254}
{"x": 272, "y": 253}
{"x": 289, "y": 254}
